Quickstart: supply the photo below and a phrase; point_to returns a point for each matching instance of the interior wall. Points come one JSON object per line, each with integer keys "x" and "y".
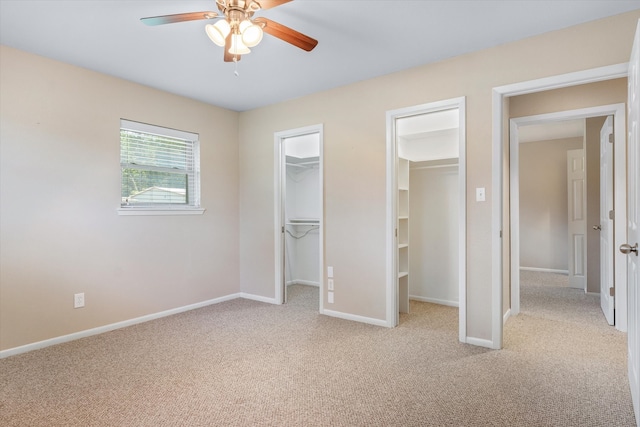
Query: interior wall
{"x": 355, "y": 156}
{"x": 592, "y": 135}
{"x": 433, "y": 233}
{"x": 60, "y": 191}
{"x": 71, "y": 240}
{"x": 543, "y": 203}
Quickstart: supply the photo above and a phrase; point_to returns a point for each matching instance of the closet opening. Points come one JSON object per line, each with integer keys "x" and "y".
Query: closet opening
{"x": 299, "y": 213}
{"x": 426, "y": 147}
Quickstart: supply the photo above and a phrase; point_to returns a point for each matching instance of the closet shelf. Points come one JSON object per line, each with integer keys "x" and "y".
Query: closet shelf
{"x": 303, "y": 221}
{"x": 403, "y": 245}
{"x": 402, "y": 274}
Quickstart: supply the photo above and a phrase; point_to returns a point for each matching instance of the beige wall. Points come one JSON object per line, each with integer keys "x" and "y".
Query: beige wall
{"x": 354, "y": 148}
{"x": 543, "y": 203}
{"x": 60, "y": 188}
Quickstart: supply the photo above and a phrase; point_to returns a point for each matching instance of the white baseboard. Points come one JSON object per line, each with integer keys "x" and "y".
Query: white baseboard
{"x": 544, "y": 270}
{"x": 593, "y": 293}
{"x": 434, "y": 301}
{"x": 506, "y": 316}
{"x": 258, "y": 298}
{"x": 355, "y": 318}
{"x": 112, "y": 326}
{"x": 303, "y": 282}
{"x": 480, "y": 342}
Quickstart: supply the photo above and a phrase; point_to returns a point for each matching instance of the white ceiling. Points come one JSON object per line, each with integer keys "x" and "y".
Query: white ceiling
{"x": 358, "y": 39}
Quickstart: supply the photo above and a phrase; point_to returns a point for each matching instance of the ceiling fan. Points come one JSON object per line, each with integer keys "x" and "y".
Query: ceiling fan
{"x": 236, "y": 29}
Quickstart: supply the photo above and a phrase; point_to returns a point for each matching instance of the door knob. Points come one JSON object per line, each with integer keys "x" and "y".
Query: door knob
{"x": 627, "y": 249}
{"x": 597, "y": 227}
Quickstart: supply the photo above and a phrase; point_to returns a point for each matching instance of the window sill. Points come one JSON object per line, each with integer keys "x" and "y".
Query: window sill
{"x": 160, "y": 211}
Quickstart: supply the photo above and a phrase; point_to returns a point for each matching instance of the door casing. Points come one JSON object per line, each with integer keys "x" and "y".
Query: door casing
{"x": 279, "y": 200}
{"x": 499, "y": 96}
{"x": 392, "y": 317}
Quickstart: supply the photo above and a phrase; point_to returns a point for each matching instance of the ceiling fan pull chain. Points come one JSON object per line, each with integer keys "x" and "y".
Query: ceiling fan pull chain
{"x": 235, "y": 59}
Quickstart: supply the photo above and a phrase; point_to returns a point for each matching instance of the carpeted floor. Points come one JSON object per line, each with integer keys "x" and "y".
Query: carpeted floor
{"x": 245, "y": 363}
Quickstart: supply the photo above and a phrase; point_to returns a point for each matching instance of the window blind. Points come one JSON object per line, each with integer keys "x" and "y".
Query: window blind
{"x": 160, "y": 166}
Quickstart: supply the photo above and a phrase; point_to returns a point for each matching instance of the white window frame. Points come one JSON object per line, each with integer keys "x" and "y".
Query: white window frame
{"x": 194, "y": 207}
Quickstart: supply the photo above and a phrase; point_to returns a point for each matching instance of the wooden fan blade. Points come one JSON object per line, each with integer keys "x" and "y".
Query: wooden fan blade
{"x": 180, "y": 17}
{"x": 268, "y": 4}
{"x": 286, "y": 34}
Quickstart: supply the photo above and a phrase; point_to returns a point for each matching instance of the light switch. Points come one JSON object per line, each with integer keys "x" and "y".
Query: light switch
{"x": 480, "y": 196}
{"x": 329, "y": 271}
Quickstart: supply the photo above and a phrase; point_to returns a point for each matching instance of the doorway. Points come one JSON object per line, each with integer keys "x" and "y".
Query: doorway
{"x": 426, "y": 209}
{"x": 619, "y": 212}
{"x": 299, "y": 210}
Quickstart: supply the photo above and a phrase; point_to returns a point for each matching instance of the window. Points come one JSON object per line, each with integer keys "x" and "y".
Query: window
{"x": 160, "y": 170}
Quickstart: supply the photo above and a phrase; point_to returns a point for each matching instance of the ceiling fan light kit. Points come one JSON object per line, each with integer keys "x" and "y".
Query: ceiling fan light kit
{"x": 218, "y": 32}
{"x": 237, "y": 46}
{"x": 235, "y": 29}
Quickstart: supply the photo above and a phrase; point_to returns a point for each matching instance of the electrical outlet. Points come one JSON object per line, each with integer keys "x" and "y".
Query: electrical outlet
{"x": 330, "y": 284}
{"x": 78, "y": 300}
{"x": 330, "y": 297}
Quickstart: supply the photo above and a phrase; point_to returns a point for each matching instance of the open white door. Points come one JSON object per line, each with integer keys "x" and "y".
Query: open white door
{"x": 577, "y": 227}
{"x": 633, "y": 223}
{"x": 606, "y": 220}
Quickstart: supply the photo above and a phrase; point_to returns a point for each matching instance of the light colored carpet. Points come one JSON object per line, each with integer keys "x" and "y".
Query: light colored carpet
{"x": 244, "y": 363}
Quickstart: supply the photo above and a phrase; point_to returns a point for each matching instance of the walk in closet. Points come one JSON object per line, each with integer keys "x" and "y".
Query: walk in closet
{"x": 428, "y": 208}
{"x": 302, "y": 210}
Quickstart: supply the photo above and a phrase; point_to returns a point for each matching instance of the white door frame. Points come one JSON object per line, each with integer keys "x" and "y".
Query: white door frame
{"x": 620, "y": 197}
{"x": 279, "y": 220}
{"x": 499, "y": 95}
{"x": 392, "y": 214}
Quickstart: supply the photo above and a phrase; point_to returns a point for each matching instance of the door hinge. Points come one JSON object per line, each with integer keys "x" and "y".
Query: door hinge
{"x": 612, "y": 214}
{"x": 612, "y": 292}
{"x": 283, "y": 228}
{"x": 396, "y": 232}
{"x": 501, "y": 234}
{"x": 611, "y": 138}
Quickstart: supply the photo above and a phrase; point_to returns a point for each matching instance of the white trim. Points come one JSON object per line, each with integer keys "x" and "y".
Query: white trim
{"x": 480, "y": 342}
{"x": 498, "y": 96}
{"x": 593, "y": 293}
{"x": 434, "y": 301}
{"x": 496, "y": 222}
{"x": 149, "y": 212}
{"x": 356, "y": 318}
{"x": 113, "y": 326}
{"x": 560, "y": 81}
{"x": 391, "y": 246}
{"x": 618, "y": 111}
{"x": 506, "y": 316}
{"x": 543, "y": 270}
{"x": 392, "y": 315}
{"x": 279, "y": 220}
{"x": 258, "y": 298}
{"x": 158, "y": 130}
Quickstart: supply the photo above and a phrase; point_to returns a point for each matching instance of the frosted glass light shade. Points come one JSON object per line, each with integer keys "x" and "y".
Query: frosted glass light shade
{"x": 237, "y": 47}
{"x": 251, "y": 33}
{"x": 218, "y": 32}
